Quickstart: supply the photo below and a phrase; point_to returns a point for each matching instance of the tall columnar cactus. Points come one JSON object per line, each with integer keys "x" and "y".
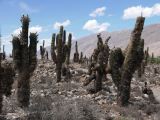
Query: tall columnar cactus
{"x": 47, "y": 55}
{"x": 81, "y": 58}
{"x": 4, "y": 53}
{"x": 25, "y": 61}
{"x": 42, "y": 50}
{"x": 58, "y": 52}
{"x": 69, "y": 44}
{"x": 152, "y": 58}
{"x": 146, "y": 56}
{"x": 123, "y": 67}
{"x": 76, "y": 54}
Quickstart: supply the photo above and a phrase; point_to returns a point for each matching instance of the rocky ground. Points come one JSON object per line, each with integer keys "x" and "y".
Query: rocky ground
{"x": 69, "y": 100}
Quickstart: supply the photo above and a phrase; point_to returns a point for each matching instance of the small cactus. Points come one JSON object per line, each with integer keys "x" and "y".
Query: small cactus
{"x": 76, "y": 54}
{"x": 42, "y": 50}
{"x": 81, "y": 58}
{"x": 146, "y": 56}
{"x": 47, "y": 55}
{"x": 152, "y": 58}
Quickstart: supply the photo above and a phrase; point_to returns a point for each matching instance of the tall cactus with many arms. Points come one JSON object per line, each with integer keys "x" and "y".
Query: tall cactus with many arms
{"x": 25, "y": 61}
{"x": 58, "y": 52}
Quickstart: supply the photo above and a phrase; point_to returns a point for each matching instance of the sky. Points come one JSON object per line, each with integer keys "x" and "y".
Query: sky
{"x": 79, "y": 17}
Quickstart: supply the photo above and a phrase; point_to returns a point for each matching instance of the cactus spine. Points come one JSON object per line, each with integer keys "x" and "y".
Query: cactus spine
{"x": 123, "y": 67}
{"x": 25, "y": 61}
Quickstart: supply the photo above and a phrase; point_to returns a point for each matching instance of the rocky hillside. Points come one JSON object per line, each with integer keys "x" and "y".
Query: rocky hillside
{"x": 70, "y": 100}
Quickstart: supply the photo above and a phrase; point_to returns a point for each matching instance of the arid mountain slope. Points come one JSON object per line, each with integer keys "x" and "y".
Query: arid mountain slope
{"x": 151, "y": 35}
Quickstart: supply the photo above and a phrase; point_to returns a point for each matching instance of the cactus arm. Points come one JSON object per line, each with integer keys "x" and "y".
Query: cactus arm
{"x": 116, "y": 60}
{"x": 53, "y": 53}
{"x": 33, "y": 51}
{"x": 16, "y": 52}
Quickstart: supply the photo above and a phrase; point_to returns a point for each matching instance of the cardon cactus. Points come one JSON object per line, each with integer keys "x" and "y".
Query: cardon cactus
{"x": 152, "y": 58}
{"x": 76, "y": 54}
{"x": 25, "y": 61}
{"x": 98, "y": 65}
{"x": 123, "y": 67}
{"x": 42, "y": 50}
{"x": 58, "y": 52}
{"x": 69, "y": 44}
{"x": 146, "y": 56}
{"x": 47, "y": 55}
{"x": 4, "y": 53}
{"x": 81, "y": 58}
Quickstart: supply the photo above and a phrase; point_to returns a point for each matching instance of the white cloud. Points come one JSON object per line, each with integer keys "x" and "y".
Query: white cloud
{"x": 135, "y": 11}
{"x": 17, "y": 31}
{"x": 25, "y": 7}
{"x": 36, "y": 28}
{"x": 33, "y": 29}
{"x": 98, "y": 12}
{"x": 94, "y": 26}
{"x": 64, "y": 24}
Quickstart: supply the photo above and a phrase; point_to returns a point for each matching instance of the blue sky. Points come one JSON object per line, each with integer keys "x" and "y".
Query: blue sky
{"x": 80, "y": 17}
